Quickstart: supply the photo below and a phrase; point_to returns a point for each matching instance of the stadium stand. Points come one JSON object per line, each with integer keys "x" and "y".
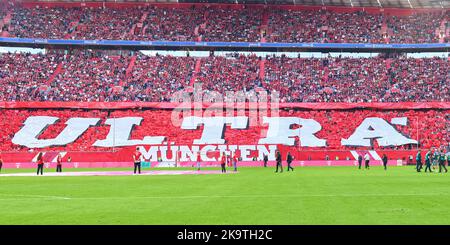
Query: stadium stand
{"x": 72, "y": 74}
{"x": 97, "y": 76}
{"x": 222, "y": 23}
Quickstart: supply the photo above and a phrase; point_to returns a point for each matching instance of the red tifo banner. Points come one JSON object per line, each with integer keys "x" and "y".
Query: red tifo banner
{"x": 167, "y": 105}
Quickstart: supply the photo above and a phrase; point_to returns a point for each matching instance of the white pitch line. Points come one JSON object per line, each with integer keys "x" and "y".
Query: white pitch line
{"x": 218, "y": 196}
{"x": 33, "y": 197}
{"x": 232, "y": 196}
{"x": 265, "y": 196}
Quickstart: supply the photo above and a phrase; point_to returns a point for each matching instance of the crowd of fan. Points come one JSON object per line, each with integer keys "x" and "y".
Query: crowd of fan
{"x": 223, "y": 24}
{"x": 358, "y": 79}
{"x": 170, "y": 25}
{"x": 51, "y": 23}
{"x": 23, "y": 77}
{"x": 325, "y": 26}
{"x": 105, "y": 23}
{"x": 156, "y": 78}
{"x": 231, "y": 25}
{"x": 82, "y": 76}
{"x": 418, "y": 28}
{"x": 222, "y": 74}
{"x": 85, "y": 75}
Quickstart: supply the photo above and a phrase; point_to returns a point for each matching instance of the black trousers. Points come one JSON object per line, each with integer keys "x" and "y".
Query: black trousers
{"x": 366, "y": 164}
{"x": 359, "y": 164}
{"x": 385, "y": 165}
{"x": 58, "y": 168}
{"x": 224, "y": 170}
{"x": 281, "y": 167}
{"x": 442, "y": 166}
{"x": 427, "y": 166}
{"x": 1, "y": 164}
{"x": 419, "y": 166}
{"x": 265, "y": 164}
{"x": 289, "y": 167}
{"x": 137, "y": 166}
{"x": 40, "y": 168}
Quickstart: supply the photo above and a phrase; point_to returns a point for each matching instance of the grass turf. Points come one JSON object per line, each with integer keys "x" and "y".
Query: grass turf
{"x": 310, "y": 195}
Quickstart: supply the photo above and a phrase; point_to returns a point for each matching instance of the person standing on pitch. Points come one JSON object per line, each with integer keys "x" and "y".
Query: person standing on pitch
{"x": 435, "y": 159}
{"x": 419, "y": 161}
{"x": 40, "y": 163}
{"x": 289, "y": 159}
{"x": 442, "y": 162}
{"x": 59, "y": 164}
{"x": 428, "y": 157}
{"x": 235, "y": 160}
{"x": 278, "y": 159}
{"x": 198, "y": 161}
{"x": 366, "y": 159}
{"x": 137, "y": 160}
{"x": 265, "y": 159}
{"x": 223, "y": 160}
{"x": 385, "y": 160}
{"x": 448, "y": 159}
{"x": 1, "y": 163}
{"x": 360, "y": 158}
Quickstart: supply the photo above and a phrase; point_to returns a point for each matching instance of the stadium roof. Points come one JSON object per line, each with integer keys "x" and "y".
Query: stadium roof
{"x": 348, "y": 3}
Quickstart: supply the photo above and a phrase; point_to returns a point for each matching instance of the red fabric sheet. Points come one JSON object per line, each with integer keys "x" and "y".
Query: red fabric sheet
{"x": 165, "y": 105}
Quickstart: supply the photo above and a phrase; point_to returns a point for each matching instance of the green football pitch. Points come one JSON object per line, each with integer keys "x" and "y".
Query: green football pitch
{"x": 310, "y": 195}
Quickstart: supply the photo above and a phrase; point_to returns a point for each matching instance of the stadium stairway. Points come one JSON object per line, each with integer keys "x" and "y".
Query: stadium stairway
{"x": 442, "y": 29}
{"x": 55, "y": 73}
{"x": 196, "y": 33}
{"x": 131, "y": 32}
{"x": 130, "y": 66}
{"x": 384, "y": 30}
{"x": 262, "y": 67}
{"x": 4, "y": 22}
{"x": 202, "y": 27}
{"x": 139, "y": 25}
{"x": 197, "y": 29}
{"x": 264, "y": 26}
{"x": 325, "y": 75}
{"x": 447, "y": 32}
{"x": 198, "y": 64}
